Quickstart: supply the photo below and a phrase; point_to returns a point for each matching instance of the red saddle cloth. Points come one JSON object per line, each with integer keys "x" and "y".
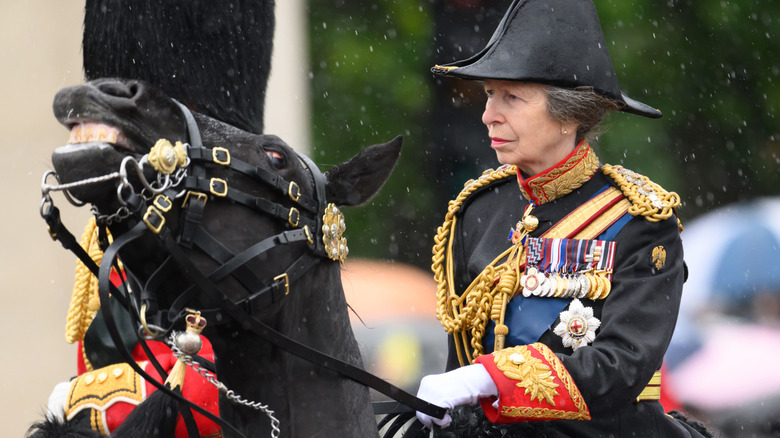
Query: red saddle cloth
{"x": 112, "y": 392}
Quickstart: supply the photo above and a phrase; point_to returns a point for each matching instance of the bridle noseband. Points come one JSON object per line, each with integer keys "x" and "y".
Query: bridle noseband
{"x": 195, "y": 189}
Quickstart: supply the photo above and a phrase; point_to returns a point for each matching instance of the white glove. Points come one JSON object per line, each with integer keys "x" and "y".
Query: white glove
{"x": 57, "y": 399}
{"x": 461, "y": 386}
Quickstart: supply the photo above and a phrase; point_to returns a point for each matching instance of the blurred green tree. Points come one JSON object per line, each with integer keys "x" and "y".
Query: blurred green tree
{"x": 712, "y": 67}
{"x": 370, "y": 82}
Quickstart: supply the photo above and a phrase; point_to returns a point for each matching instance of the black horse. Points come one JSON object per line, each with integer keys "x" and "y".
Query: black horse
{"x": 245, "y": 189}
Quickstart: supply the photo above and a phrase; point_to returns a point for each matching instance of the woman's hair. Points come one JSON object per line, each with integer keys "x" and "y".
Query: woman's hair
{"x": 580, "y": 105}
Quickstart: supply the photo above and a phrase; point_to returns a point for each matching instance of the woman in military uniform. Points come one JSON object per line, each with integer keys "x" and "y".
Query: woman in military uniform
{"x": 559, "y": 277}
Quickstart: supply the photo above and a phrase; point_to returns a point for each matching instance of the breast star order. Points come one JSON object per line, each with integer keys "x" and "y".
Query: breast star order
{"x": 578, "y": 325}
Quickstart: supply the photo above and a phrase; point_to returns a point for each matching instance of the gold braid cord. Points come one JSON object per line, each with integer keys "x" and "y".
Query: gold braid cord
{"x": 84, "y": 303}
{"x": 648, "y": 199}
{"x": 483, "y": 299}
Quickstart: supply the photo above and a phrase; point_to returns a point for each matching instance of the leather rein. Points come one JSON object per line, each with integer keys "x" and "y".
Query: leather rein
{"x": 150, "y": 216}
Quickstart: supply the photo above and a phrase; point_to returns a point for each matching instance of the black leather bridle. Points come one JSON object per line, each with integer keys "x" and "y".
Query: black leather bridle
{"x": 305, "y": 219}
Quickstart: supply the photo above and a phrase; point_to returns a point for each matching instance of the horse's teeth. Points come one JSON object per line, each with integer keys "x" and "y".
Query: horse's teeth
{"x": 93, "y": 132}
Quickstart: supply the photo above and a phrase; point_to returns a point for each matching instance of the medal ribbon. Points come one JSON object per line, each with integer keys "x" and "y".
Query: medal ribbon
{"x": 556, "y": 255}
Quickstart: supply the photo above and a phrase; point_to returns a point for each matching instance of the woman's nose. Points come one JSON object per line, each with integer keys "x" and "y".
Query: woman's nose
{"x": 491, "y": 114}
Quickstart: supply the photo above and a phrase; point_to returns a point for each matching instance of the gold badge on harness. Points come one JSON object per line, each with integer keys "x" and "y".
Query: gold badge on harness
{"x": 659, "y": 257}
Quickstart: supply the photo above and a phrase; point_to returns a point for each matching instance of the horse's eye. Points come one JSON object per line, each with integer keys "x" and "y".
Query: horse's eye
{"x": 277, "y": 160}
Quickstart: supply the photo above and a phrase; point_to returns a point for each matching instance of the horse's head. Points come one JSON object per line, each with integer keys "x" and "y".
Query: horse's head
{"x": 248, "y": 186}
{"x": 109, "y": 120}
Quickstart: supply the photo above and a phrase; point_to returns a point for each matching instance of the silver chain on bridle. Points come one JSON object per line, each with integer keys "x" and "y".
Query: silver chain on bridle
{"x": 150, "y": 189}
{"x": 229, "y": 393}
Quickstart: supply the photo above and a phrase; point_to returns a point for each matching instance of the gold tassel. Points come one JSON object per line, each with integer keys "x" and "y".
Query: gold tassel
{"x": 176, "y": 376}
{"x": 188, "y": 343}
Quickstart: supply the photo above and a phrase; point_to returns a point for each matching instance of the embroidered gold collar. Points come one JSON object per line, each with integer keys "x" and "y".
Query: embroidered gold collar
{"x": 561, "y": 179}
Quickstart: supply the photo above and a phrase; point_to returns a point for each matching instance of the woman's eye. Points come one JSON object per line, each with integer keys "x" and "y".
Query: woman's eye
{"x": 277, "y": 160}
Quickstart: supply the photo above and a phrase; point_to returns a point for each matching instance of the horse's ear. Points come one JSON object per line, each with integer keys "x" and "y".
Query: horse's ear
{"x": 357, "y": 180}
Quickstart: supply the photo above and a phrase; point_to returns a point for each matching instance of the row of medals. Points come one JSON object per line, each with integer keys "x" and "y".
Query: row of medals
{"x": 593, "y": 285}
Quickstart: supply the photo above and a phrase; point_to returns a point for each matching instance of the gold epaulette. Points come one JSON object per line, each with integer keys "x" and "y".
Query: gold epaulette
{"x": 648, "y": 199}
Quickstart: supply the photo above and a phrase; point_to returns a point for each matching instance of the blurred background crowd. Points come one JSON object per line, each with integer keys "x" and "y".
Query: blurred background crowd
{"x": 356, "y": 72}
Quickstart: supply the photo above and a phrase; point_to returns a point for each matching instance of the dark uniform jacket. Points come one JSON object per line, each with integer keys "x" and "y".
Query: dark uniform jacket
{"x": 637, "y": 318}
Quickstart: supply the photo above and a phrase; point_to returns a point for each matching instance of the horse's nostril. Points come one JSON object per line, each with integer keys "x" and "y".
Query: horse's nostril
{"x": 133, "y": 88}
{"x": 118, "y": 89}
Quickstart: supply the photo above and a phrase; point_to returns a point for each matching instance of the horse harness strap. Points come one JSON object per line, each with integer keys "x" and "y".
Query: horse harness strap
{"x": 261, "y": 297}
{"x": 220, "y": 188}
{"x": 293, "y": 347}
{"x": 222, "y": 157}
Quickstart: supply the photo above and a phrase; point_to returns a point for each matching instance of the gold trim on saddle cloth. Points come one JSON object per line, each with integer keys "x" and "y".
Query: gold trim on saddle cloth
{"x": 100, "y": 389}
{"x": 653, "y": 389}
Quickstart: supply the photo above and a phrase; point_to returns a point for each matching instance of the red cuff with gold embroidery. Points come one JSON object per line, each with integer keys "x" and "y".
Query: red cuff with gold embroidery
{"x": 532, "y": 385}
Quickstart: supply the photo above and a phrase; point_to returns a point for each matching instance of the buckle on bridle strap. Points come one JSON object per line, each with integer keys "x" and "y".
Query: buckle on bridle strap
{"x": 198, "y": 196}
{"x": 220, "y": 155}
{"x": 286, "y": 282}
{"x": 154, "y": 219}
{"x": 218, "y": 187}
{"x": 293, "y": 191}
{"x": 163, "y": 203}
{"x": 293, "y": 217}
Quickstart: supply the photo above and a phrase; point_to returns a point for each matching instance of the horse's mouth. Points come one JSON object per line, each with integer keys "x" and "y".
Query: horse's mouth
{"x": 94, "y": 149}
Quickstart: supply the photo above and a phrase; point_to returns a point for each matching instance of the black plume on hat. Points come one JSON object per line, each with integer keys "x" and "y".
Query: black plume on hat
{"x": 213, "y": 56}
{"x": 554, "y": 42}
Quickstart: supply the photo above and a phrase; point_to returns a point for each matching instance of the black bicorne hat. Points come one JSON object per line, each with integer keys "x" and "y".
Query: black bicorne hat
{"x": 553, "y": 42}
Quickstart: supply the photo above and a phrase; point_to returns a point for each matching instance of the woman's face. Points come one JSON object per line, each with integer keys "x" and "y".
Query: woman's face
{"x": 520, "y": 128}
